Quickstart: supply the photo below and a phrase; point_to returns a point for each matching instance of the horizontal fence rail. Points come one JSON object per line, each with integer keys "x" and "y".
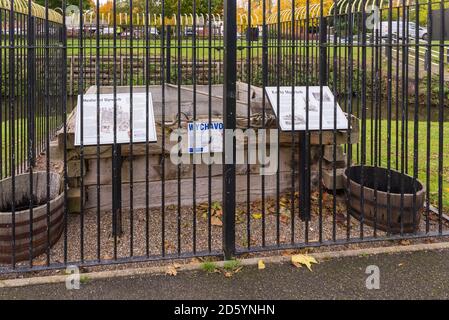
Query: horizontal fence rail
{"x": 318, "y": 123}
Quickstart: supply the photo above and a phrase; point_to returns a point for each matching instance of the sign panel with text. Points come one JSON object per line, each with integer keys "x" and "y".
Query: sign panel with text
{"x": 205, "y": 137}
{"x": 121, "y": 113}
{"x": 302, "y": 110}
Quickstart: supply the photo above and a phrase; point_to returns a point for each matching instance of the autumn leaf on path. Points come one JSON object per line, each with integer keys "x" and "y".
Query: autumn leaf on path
{"x": 261, "y": 265}
{"x": 215, "y": 221}
{"x": 171, "y": 271}
{"x": 302, "y": 259}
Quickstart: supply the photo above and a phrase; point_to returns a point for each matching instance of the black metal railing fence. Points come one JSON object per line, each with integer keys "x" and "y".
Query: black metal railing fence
{"x": 127, "y": 201}
{"x": 31, "y": 50}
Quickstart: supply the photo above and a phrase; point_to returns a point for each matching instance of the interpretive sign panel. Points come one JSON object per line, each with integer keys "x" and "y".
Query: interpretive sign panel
{"x": 329, "y": 108}
{"x": 122, "y": 119}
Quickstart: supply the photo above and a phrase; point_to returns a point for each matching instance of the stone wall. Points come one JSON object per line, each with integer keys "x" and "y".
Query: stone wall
{"x": 97, "y": 162}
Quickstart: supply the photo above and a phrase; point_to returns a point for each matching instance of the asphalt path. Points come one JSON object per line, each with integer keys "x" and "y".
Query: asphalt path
{"x": 416, "y": 275}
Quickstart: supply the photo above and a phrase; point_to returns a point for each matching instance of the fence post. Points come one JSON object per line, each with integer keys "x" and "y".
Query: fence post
{"x": 117, "y": 190}
{"x": 323, "y": 51}
{"x": 168, "y": 55}
{"x": 31, "y": 90}
{"x": 229, "y": 121}
{"x": 71, "y": 75}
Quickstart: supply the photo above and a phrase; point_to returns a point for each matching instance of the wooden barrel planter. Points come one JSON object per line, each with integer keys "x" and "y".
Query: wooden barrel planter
{"x": 377, "y": 178}
{"x": 23, "y": 223}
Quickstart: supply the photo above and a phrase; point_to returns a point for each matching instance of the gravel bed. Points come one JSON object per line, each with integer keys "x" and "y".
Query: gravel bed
{"x": 89, "y": 235}
{"x": 277, "y": 228}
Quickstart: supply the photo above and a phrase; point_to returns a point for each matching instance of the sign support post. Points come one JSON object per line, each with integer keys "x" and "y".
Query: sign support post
{"x": 304, "y": 176}
{"x": 117, "y": 189}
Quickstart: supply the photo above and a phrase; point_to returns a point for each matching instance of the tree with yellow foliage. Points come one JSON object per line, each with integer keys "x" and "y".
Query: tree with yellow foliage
{"x": 272, "y": 8}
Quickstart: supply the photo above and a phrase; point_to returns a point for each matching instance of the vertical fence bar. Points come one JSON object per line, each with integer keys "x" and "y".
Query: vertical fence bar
{"x": 166, "y": 32}
{"x": 2, "y": 83}
{"x": 64, "y": 119}
{"x": 194, "y": 101}
{"x": 168, "y": 50}
{"x": 229, "y": 121}
{"x": 441, "y": 98}
{"x": 293, "y": 151}
{"x": 265, "y": 55}
{"x": 209, "y": 115}
{"x": 30, "y": 99}
{"x": 12, "y": 130}
{"x": 364, "y": 115}
{"x": 81, "y": 111}
{"x": 131, "y": 120}
{"x": 179, "y": 82}
{"x": 47, "y": 123}
{"x": 98, "y": 84}
{"x": 428, "y": 69}
{"x": 322, "y": 81}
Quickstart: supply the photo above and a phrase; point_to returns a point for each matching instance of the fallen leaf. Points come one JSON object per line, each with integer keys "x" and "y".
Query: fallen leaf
{"x": 238, "y": 269}
{"x": 271, "y": 210}
{"x": 303, "y": 259}
{"x": 171, "y": 271}
{"x": 239, "y": 219}
{"x": 215, "y": 221}
{"x": 285, "y": 211}
{"x": 284, "y": 218}
{"x": 404, "y": 242}
{"x": 216, "y": 206}
{"x": 283, "y": 202}
{"x": 228, "y": 274}
{"x": 261, "y": 265}
{"x": 240, "y": 212}
{"x": 257, "y": 216}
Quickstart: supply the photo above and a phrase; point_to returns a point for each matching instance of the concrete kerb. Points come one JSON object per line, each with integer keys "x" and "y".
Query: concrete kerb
{"x": 10, "y": 283}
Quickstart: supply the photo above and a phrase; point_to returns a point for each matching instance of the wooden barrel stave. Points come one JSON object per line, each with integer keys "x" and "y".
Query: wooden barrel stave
{"x": 404, "y": 211}
{"x": 40, "y": 240}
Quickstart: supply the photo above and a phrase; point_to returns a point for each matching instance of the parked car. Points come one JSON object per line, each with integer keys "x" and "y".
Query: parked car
{"x": 188, "y": 32}
{"x": 397, "y": 30}
{"x": 153, "y": 32}
{"x": 110, "y": 31}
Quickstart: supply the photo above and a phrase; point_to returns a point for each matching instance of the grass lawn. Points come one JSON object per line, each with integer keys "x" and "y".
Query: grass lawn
{"x": 20, "y": 128}
{"x": 20, "y": 143}
{"x": 202, "y": 48}
{"x": 422, "y": 149}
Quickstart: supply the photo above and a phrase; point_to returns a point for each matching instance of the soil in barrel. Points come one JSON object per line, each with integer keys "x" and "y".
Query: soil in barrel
{"x": 22, "y": 204}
